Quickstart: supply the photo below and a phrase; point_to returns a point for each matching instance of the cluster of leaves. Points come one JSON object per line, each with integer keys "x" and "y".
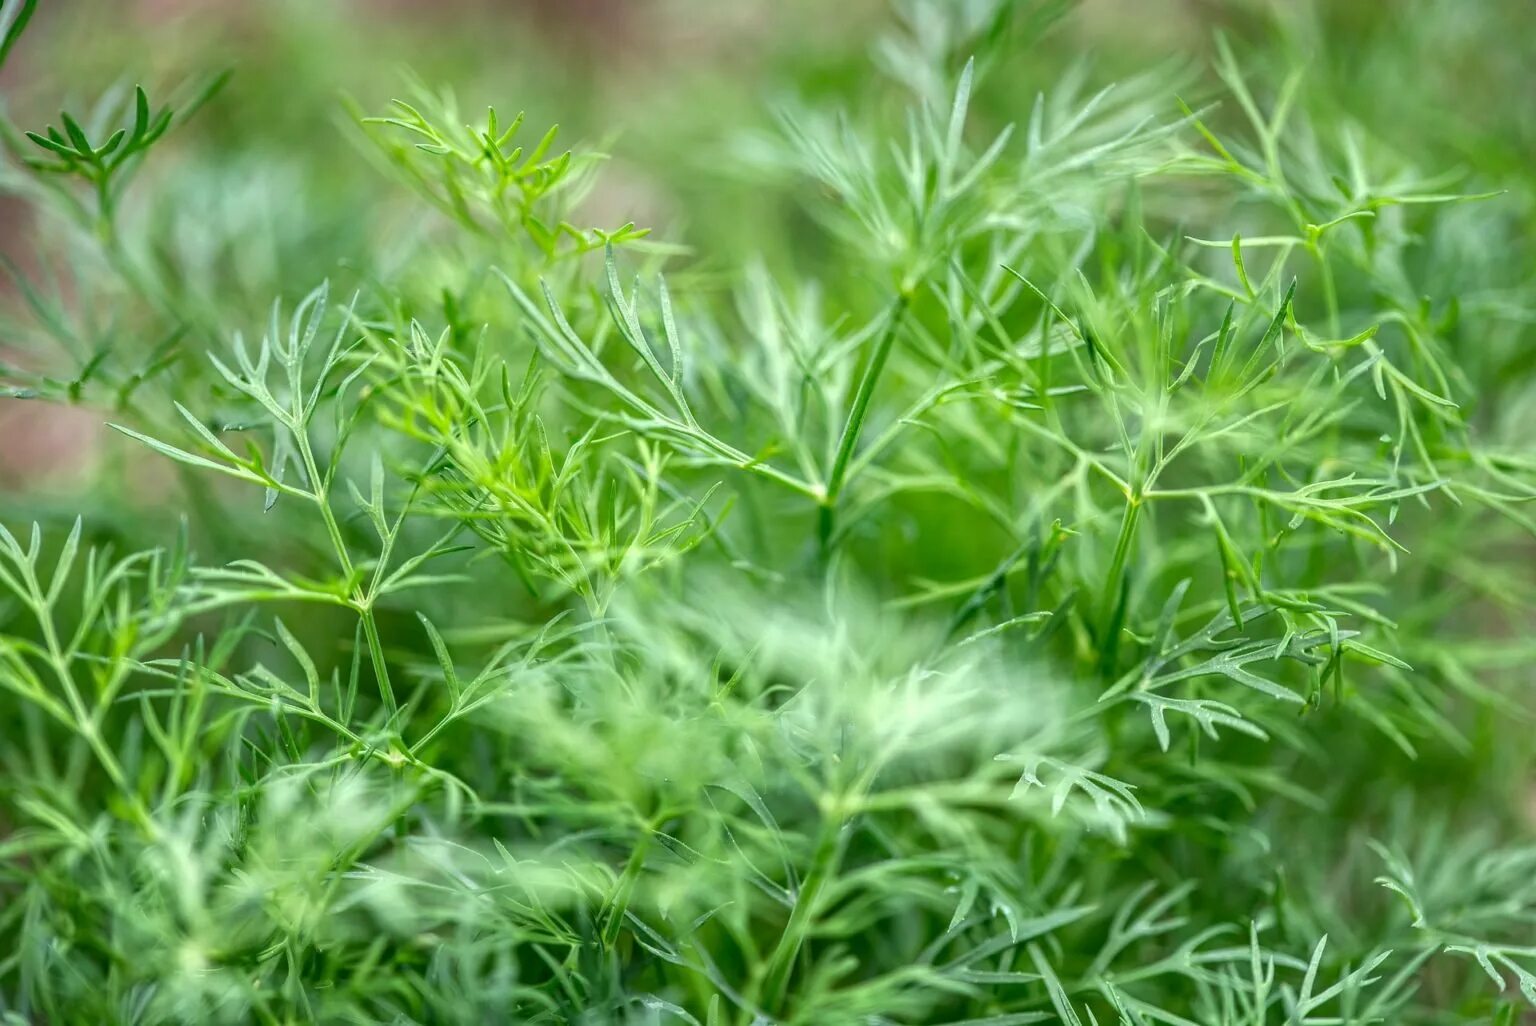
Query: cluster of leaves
{"x": 1095, "y": 598}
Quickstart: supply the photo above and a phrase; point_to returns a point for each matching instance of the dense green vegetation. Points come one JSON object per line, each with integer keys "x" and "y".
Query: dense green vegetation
{"x": 960, "y": 542}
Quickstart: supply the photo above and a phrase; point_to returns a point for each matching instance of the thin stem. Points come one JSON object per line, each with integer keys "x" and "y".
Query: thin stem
{"x": 364, "y": 604}
{"x": 1127, "y": 537}
{"x": 626, "y": 887}
{"x": 1330, "y": 290}
{"x": 85, "y": 722}
{"x": 824, "y": 864}
{"x": 376, "y": 655}
{"x": 856, "y": 416}
{"x": 1115, "y": 587}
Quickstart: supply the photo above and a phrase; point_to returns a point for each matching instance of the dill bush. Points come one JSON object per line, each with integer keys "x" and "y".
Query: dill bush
{"x": 1042, "y": 553}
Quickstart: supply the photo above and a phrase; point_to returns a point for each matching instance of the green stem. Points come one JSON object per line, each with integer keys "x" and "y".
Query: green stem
{"x": 85, "y": 721}
{"x": 824, "y": 864}
{"x": 376, "y": 655}
{"x": 364, "y": 605}
{"x": 856, "y": 416}
{"x": 1330, "y": 290}
{"x": 626, "y": 888}
{"x": 1113, "y": 588}
{"x": 1123, "y": 543}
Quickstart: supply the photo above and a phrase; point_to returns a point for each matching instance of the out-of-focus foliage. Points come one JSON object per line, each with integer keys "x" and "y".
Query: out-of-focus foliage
{"x": 973, "y": 513}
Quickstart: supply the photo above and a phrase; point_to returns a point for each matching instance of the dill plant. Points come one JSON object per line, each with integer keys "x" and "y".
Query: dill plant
{"x": 1085, "y": 582}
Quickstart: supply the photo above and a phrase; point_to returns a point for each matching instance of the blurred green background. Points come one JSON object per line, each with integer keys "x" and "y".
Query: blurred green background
{"x": 274, "y": 187}
{"x": 270, "y": 186}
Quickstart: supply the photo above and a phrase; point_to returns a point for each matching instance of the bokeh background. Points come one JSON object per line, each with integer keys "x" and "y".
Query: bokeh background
{"x": 273, "y": 187}
{"x": 667, "y": 85}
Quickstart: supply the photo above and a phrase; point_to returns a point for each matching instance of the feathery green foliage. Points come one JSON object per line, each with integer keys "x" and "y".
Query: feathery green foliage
{"x": 1077, "y": 572}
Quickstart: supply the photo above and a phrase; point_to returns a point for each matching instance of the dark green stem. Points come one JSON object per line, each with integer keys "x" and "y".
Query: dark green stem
{"x": 854, "y": 426}
{"x": 824, "y": 863}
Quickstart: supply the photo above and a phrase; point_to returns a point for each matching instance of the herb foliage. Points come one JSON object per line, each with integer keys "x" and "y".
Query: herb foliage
{"x": 1083, "y": 579}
